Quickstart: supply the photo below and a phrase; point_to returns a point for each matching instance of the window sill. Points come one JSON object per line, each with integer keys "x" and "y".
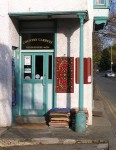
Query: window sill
{"x": 100, "y": 7}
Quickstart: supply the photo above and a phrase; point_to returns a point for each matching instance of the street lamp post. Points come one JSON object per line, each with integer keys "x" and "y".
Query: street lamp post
{"x": 111, "y": 59}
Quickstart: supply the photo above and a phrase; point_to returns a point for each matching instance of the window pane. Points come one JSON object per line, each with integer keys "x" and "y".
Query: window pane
{"x": 50, "y": 67}
{"x": 38, "y": 67}
{"x": 27, "y": 67}
{"x": 100, "y": 2}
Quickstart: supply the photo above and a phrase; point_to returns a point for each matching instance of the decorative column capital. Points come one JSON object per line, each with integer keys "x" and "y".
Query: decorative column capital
{"x": 81, "y": 15}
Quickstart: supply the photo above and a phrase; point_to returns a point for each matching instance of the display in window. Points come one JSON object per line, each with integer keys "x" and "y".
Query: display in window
{"x": 100, "y": 2}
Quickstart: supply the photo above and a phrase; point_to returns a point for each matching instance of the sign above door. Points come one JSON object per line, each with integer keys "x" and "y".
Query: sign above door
{"x": 36, "y": 41}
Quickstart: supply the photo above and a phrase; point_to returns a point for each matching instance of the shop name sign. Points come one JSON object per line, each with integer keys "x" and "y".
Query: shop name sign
{"x": 37, "y": 43}
{"x": 39, "y": 39}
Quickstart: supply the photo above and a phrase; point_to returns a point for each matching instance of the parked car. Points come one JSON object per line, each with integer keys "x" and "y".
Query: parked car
{"x": 109, "y": 73}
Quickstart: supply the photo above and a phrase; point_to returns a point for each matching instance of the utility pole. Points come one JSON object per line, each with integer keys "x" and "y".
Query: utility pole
{"x": 111, "y": 59}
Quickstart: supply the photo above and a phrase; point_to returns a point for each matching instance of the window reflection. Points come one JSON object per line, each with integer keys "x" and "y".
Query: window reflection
{"x": 39, "y": 67}
{"x": 50, "y": 67}
{"x": 100, "y": 2}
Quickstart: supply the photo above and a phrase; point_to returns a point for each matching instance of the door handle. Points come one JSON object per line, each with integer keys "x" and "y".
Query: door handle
{"x": 44, "y": 80}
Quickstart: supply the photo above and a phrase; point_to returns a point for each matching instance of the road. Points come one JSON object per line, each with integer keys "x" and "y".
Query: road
{"x": 107, "y": 91}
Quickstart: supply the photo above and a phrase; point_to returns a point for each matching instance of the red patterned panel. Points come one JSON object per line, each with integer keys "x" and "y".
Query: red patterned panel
{"x": 64, "y": 74}
{"x": 87, "y": 70}
{"x": 77, "y": 71}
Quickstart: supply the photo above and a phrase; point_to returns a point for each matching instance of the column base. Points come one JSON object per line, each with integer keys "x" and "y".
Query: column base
{"x": 80, "y": 125}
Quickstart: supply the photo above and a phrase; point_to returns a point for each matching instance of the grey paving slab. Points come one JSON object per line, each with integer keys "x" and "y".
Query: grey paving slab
{"x": 60, "y": 147}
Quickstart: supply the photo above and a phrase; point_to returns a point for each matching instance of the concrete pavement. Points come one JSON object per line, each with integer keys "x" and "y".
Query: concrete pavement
{"x": 99, "y": 133}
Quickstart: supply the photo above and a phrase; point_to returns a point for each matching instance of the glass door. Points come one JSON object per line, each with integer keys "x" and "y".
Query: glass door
{"x": 36, "y": 83}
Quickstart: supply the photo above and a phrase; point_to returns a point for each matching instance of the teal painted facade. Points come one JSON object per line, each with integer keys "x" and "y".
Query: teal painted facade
{"x": 99, "y": 20}
{"x": 47, "y": 84}
{"x": 80, "y": 116}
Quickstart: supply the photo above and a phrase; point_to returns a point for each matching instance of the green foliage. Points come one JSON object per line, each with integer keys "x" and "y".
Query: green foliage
{"x": 114, "y": 54}
{"x": 97, "y": 48}
{"x": 96, "y": 59}
{"x": 105, "y": 62}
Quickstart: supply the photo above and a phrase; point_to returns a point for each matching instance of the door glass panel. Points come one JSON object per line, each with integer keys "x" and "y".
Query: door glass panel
{"x": 38, "y": 67}
{"x": 28, "y": 67}
{"x": 50, "y": 67}
{"x": 27, "y": 96}
{"x": 50, "y": 96}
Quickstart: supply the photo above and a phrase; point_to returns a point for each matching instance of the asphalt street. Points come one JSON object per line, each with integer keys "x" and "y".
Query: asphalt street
{"x": 107, "y": 91}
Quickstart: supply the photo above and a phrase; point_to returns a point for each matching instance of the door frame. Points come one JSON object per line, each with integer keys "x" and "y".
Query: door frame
{"x": 18, "y": 91}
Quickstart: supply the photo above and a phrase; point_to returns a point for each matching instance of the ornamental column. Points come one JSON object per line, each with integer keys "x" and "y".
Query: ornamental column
{"x": 80, "y": 126}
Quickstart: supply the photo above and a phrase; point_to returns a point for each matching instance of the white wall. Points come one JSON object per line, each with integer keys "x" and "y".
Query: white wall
{"x": 101, "y": 12}
{"x": 14, "y": 32}
{"x": 46, "y": 5}
{"x": 68, "y": 44}
{"x": 5, "y": 67}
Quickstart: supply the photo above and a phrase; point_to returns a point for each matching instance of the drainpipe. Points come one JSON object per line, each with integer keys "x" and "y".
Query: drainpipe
{"x": 80, "y": 126}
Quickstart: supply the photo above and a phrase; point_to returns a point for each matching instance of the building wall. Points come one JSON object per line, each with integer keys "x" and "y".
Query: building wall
{"x": 101, "y": 12}
{"x": 68, "y": 44}
{"x": 14, "y": 32}
{"x": 46, "y": 5}
{"x": 5, "y": 67}
{"x": 68, "y": 37}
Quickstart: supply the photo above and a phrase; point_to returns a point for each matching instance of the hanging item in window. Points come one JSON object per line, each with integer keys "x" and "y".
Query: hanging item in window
{"x": 100, "y": 2}
{"x": 27, "y": 67}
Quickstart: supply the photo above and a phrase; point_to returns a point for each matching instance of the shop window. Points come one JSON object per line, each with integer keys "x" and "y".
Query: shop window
{"x": 101, "y": 4}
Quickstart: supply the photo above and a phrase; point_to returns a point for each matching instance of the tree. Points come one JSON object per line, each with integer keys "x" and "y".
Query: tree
{"x": 97, "y": 49}
{"x": 104, "y": 38}
{"x": 109, "y": 31}
{"x": 105, "y": 62}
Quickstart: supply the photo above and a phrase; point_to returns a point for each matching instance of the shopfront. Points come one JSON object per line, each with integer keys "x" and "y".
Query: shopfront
{"x": 34, "y": 67}
{"x": 47, "y": 65}
{"x": 37, "y": 73}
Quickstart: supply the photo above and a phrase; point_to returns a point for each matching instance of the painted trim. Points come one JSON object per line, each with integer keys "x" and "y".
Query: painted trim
{"x": 16, "y": 14}
{"x": 15, "y": 108}
{"x": 106, "y": 5}
{"x": 36, "y": 31}
{"x": 20, "y": 76}
{"x": 46, "y": 51}
{"x": 80, "y": 125}
{"x": 99, "y": 20}
{"x": 55, "y": 54}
